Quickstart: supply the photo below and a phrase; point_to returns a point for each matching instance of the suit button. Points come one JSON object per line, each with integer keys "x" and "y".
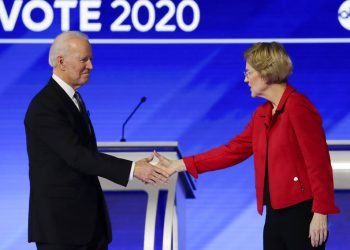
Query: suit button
{"x": 295, "y": 179}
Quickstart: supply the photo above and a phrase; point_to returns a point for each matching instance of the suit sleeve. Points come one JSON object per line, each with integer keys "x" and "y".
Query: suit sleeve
{"x": 52, "y": 128}
{"x": 307, "y": 125}
{"x": 235, "y": 151}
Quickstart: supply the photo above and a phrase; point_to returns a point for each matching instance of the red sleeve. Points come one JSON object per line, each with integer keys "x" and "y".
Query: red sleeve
{"x": 307, "y": 125}
{"x": 232, "y": 153}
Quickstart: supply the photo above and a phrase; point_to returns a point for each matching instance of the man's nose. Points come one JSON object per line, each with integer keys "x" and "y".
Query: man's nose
{"x": 89, "y": 64}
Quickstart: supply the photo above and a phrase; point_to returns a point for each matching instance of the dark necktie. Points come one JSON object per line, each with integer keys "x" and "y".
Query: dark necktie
{"x": 83, "y": 110}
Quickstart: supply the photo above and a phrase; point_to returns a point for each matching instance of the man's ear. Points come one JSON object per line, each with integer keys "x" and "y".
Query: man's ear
{"x": 60, "y": 63}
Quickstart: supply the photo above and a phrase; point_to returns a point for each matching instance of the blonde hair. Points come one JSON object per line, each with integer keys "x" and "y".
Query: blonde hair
{"x": 271, "y": 60}
{"x": 60, "y": 46}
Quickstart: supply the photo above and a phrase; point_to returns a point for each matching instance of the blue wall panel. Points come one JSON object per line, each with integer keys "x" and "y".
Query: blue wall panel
{"x": 195, "y": 95}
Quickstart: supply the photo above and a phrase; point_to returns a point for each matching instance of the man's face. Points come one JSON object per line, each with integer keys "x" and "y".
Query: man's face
{"x": 77, "y": 63}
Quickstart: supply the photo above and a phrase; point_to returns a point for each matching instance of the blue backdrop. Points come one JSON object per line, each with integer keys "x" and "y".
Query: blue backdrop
{"x": 194, "y": 88}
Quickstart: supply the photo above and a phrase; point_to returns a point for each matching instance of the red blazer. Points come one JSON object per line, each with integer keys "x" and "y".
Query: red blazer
{"x": 291, "y": 143}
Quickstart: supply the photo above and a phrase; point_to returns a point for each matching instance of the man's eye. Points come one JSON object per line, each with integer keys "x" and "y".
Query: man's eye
{"x": 85, "y": 59}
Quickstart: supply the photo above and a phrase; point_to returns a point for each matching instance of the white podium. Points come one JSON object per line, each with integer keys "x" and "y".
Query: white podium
{"x": 138, "y": 150}
{"x": 339, "y": 151}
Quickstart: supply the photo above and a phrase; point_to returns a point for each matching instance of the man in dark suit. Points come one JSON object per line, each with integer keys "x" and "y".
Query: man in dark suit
{"x": 66, "y": 207}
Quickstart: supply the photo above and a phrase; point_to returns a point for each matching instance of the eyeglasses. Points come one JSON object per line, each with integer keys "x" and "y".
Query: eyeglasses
{"x": 248, "y": 73}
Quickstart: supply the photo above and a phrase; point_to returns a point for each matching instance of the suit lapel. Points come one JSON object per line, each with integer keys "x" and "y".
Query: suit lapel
{"x": 70, "y": 107}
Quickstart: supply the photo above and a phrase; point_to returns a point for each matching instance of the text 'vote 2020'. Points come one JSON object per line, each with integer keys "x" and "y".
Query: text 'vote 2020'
{"x": 140, "y": 15}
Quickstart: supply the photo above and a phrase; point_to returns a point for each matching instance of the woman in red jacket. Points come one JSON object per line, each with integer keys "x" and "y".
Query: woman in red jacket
{"x": 293, "y": 173}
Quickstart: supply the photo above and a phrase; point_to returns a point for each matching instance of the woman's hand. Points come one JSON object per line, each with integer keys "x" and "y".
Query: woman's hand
{"x": 318, "y": 229}
{"x": 148, "y": 173}
{"x": 170, "y": 166}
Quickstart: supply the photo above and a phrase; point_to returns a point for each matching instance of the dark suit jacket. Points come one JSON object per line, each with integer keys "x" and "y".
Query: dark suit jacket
{"x": 65, "y": 193}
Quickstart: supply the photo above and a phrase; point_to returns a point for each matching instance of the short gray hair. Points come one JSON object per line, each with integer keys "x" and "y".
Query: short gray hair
{"x": 60, "y": 45}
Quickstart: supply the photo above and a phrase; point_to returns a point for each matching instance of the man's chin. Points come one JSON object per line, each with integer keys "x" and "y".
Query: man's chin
{"x": 84, "y": 80}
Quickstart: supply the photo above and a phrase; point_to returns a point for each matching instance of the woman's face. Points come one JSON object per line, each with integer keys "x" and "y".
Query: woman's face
{"x": 256, "y": 83}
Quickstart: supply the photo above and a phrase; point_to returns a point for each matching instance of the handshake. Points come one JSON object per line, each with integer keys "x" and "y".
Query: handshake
{"x": 158, "y": 173}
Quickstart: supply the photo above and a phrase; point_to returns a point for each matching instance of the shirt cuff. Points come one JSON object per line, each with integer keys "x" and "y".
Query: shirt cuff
{"x": 131, "y": 176}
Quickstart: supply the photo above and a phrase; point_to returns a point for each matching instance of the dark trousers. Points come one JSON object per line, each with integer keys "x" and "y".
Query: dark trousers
{"x": 102, "y": 245}
{"x": 98, "y": 242}
{"x": 288, "y": 228}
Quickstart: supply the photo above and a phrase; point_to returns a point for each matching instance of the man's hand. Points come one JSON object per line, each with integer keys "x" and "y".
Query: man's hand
{"x": 170, "y": 166}
{"x": 148, "y": 173}
{"x": 318, "y": 229}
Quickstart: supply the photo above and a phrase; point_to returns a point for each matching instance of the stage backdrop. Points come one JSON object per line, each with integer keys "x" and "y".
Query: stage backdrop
{"x": 186, "y": 57}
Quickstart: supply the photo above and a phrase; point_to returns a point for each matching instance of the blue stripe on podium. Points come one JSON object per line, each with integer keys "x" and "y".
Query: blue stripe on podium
{"x": 128, "y": 214}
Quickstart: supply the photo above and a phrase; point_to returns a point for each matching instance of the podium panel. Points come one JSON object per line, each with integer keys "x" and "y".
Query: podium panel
{"x": 159, "y": 201}
{"x": 339, "y": 151}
